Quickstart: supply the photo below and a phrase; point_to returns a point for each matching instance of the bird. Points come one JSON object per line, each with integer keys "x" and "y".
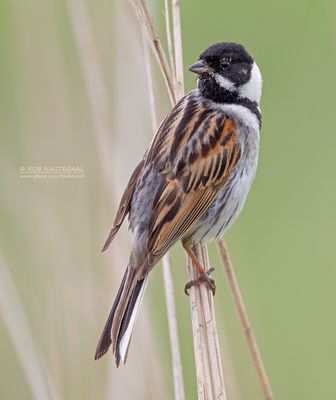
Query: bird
{"x": 192, "y": 181}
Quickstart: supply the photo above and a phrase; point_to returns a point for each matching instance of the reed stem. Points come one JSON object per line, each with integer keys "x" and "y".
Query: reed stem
{"x": 167, "y": 277}
{"x": 210, "y": 382}
{"x": 244, "y": 320}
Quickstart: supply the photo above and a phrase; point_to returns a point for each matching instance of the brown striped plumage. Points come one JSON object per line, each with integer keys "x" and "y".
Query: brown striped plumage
{"x": 187, "y": 187}
{"x": 193, "y": 176}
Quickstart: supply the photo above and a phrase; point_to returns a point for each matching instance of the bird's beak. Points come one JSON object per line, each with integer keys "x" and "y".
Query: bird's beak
{"x": 199, "y": 67}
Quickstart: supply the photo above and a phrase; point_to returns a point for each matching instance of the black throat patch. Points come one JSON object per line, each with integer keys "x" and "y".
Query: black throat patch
{"x": 211, "y": 90}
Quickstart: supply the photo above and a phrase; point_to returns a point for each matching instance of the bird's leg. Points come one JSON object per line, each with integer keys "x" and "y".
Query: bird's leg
{"x": 204, "y": 276}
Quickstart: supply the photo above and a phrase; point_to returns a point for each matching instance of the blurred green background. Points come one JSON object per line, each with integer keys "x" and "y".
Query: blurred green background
{"x": 56, "y": 286}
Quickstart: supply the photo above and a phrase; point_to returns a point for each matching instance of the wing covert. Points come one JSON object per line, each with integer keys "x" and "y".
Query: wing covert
{"x": 196, "y": 167}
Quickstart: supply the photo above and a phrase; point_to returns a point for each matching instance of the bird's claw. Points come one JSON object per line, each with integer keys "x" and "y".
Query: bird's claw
{"x": 205, "y": 277}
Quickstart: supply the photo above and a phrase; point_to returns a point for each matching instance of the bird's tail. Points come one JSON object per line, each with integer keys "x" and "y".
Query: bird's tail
{"x": 120, "y": 322}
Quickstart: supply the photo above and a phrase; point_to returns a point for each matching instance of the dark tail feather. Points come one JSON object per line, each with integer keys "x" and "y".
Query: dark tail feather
{"x": 105, "y": 338}
{"x": 119, "y": 325}
{"x": 127, "y": 323}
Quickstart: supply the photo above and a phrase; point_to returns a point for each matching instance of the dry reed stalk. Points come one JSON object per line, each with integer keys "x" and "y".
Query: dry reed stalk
{"x": 178, "y": 49}
{"x": 173, "y": 332}
{"x": 16, "y": 322}
{"x": 211, "y": 330}
{"x": 203, "y": 377}
{"x": 154, "y": 41}
{"x": 167, "y": 276}
{"x": 244, "y": 320}
{"x": 210, "y": 381}
{"x": 169, "y": 43}
{"x": 209, "y": 340}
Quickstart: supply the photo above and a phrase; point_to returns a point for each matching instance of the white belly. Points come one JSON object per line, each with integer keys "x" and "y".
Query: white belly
{"x": 226, "y": 206}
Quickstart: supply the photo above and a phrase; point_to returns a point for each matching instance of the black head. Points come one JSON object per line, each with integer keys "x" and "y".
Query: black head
{"x": 227, "y": 70}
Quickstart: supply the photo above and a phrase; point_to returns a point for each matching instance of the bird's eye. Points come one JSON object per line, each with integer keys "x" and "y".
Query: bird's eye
{"x": 224, "y": 63}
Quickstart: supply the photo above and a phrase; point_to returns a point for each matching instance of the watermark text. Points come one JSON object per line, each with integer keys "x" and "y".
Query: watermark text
{"x": 52, "y": 172}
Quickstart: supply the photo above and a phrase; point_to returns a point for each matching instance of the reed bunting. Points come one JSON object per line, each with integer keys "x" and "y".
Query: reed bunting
{"x": 193, "y": 180}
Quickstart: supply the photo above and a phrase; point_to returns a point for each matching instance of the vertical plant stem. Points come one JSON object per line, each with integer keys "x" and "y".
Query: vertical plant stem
{"x": 178, "y": 48}
{"x": 167, "y": 277}
{"x": 244, "y": 320}
{"x": 15, "y": 320}
{"x": 203, "y": 376}
{"x": 210, "y": 382}
{"x": 211, "y": 329}
{"x": 173, "y": 333}
{"x": 210, "y": 338}
{"x": 150, "y": 84}
{"x": 169, "y": 43}
{"x": 201, "y": 296}
{"x": 156, "y": 45}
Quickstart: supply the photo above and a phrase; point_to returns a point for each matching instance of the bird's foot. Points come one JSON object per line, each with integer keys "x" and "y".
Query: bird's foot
{"x": 204, "y": 277}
